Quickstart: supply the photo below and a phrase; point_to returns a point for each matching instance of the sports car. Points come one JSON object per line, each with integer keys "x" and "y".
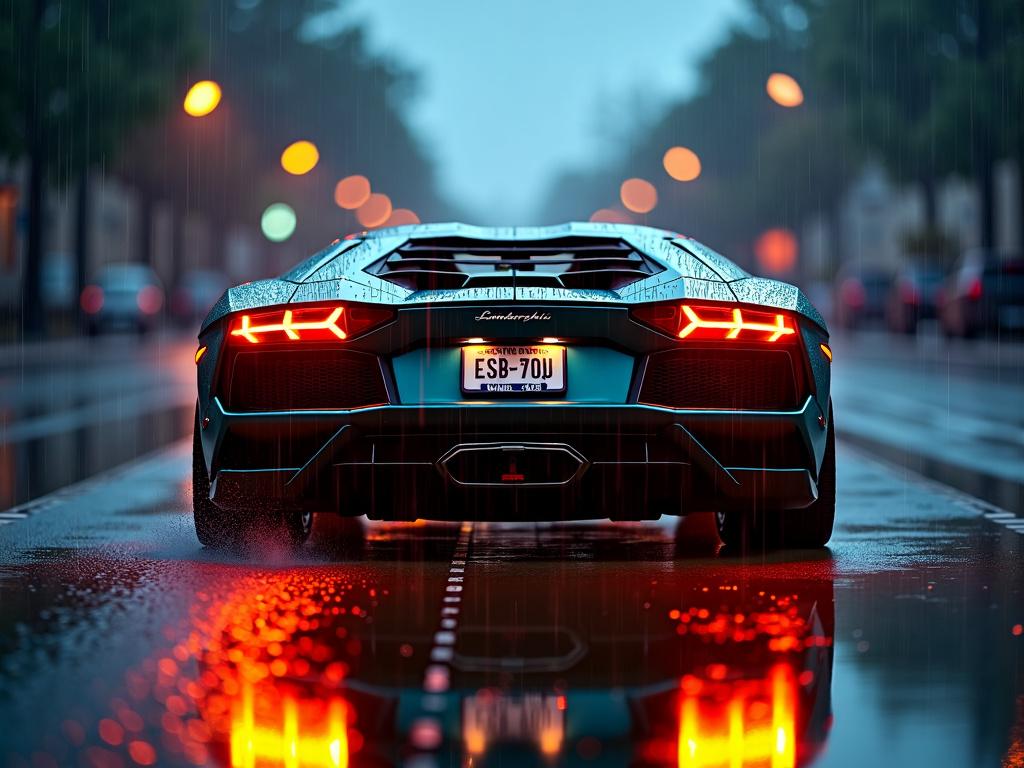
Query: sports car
{"x": 452, "y": 372}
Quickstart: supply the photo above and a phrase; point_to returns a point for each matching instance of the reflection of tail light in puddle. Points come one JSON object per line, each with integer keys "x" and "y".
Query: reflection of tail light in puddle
{"x": 271, "y": 727}
{"x": 489, "y": 718}
{"x": 738, "y": 723}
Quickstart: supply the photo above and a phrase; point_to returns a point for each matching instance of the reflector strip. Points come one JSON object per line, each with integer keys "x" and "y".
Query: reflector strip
{"x": 827, "y": 351}
{"x": 735, "y": 325}
{"x": 199, "y": 354}
{"x": 291, "y": 328}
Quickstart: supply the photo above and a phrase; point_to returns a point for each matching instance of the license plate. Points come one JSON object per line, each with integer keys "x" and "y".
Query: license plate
{"x": 494, "y": 368}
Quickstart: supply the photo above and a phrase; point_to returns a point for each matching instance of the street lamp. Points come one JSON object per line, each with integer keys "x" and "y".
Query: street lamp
{"x": 300, "y": 157}
{"x": 681, "y": 163}
{"x": 638, "y": 195}
{"x": 784, "y": 90}
{"x": 202, "y": 98}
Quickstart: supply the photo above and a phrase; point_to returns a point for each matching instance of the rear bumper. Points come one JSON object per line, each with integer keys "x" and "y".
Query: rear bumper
{"x": 517, "y": 461}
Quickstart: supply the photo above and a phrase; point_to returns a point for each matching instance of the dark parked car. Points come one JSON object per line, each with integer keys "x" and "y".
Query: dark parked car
{"x": 198, "y": 290}
{"x": 861, "y": 295}
{"x": 984, "y": 294}
{"x": 122, "y": 297}
{"x": 913, "y": 297}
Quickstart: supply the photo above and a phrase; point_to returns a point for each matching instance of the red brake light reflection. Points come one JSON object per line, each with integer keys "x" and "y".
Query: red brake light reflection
{"x": 319, "y": 323}
{"x": 717, "y": 322}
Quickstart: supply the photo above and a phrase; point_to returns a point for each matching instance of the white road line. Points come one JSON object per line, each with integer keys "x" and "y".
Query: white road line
{"x": 426, "y": 732}
{"x": 983, "y": 509}
{"x": 69, "y": 492}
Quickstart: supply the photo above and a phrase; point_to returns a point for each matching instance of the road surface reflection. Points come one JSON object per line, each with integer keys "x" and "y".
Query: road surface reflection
{"x": 323, "y": 665}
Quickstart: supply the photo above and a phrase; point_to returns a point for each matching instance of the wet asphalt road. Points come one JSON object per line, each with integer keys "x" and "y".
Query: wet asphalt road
{"x": 123, "y": 642}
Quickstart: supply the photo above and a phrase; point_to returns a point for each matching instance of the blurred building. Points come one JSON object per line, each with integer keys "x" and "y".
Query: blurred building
{"x": 877, "y": 216}
{"x": 173, "y": 244}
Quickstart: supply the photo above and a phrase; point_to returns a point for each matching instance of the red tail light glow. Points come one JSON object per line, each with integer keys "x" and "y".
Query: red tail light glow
{"x": 974, "y": 289}
{"x": 92, "y": 299}
{"x": 316, "y": 323}
{"x": 709, "y": 322}
{"x": 739, "y": 724}
{"x": 149, "y": 299}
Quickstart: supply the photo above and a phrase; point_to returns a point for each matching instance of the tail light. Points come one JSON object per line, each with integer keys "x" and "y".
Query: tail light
{"x": 718, "y": 322}
{"x": 852, "y": 293}
{"x": 909, "y": 293}
{"x": 149, "y": 299}
{"x": 307, "y": 323}
{"x": 91, "y": 299}
{"x": 974, "y": 289}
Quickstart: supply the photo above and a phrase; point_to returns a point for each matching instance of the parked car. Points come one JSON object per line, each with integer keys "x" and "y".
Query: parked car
{"x": 122, "y": 297}
{"x": 861, "y": 293}
{"x": 983, "y": 294}
{"x": 913, "y": 297}
{"x": 198, "y": 290}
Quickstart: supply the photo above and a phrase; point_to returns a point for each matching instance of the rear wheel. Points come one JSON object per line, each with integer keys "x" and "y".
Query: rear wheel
{"x": 807, "y": 528}
{"x": 220, "y": 529}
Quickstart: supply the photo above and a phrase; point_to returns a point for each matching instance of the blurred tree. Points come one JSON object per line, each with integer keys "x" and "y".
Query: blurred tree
{"x": 930, "y": 86}
{"x": 77, "y": 75}
{"x": 288, "y": 71}
{"x": 763, "y": 165}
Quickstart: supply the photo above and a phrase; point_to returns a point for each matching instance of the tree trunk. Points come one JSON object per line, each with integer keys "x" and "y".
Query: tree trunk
{"x": 986, "y": 198}
{"x": 177, "y": 246}
{"x": 145, "y": 226}
{"x": 33, "y": 312}
{"x": 82, "y": 221}
{"x": 929, "y": 188}
{"x": 984, "y": 155}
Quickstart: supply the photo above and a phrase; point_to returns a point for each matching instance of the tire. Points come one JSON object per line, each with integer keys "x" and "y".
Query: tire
{"x": 213, "y": 528}
{"x": 811, "y": 527}
{"x": 808, "y": 528}
{"x": 227, "y": 530}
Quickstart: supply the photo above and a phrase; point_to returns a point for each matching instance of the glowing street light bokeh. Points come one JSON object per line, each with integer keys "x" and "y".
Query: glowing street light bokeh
{"x": 401, "y": 217}
{"x": 784, "y": 90}
{"x": 278, "y": 222}
{"x": 681, "y": 163}
{"x": 776, "y": 251}
{"x": 351, "y": 192}
{"x": 202, "y": 98}
{"x": 638, "y": 195}
{"x": 611, "y": 216}
{"x": 375, "y": 211}
{"x": 300, "y": 157}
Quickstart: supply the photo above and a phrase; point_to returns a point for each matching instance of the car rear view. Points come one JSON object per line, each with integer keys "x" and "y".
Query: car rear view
{"x": 576, "y": 372}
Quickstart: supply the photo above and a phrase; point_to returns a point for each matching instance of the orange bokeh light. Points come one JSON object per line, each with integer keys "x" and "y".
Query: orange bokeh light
{"x": 401, "y": 217}
{"x": 777, "y": 250}
{"x": 202, "y": 98}
{"x": 681, "y": 164}
{"x": 300, "y": 157}
{"x": 638, "y": 195}
{"x": 784, "y": 90}
{"x": 375, "y": 211}
{"x": 611, "y": 216}
{"x": 351, "y": 192}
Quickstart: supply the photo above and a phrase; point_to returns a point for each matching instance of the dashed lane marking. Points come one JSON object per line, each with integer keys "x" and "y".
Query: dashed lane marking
{"x": 68, "y": 492}
{"x": 426, "y": 733}
{"x": 987, "y": 510}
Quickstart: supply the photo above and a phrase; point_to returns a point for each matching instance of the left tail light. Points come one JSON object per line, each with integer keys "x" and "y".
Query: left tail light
{"x": 320, "y": 322}
{"x": 718, "y": 322}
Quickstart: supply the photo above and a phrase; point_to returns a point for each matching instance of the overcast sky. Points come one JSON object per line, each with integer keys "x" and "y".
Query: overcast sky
{"x": 513, "y": 91}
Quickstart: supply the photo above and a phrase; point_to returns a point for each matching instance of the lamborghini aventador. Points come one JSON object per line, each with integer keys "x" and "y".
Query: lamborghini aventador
{"x": 453, "y": 372}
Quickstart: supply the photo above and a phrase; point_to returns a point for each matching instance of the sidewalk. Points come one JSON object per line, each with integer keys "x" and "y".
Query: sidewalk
{"x": 953, "y": 413}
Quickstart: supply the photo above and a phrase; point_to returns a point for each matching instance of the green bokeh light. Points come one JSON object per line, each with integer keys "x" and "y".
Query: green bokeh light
{"x": 278, "y": 222}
